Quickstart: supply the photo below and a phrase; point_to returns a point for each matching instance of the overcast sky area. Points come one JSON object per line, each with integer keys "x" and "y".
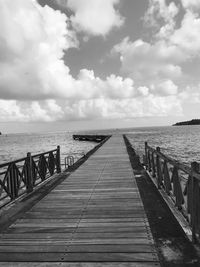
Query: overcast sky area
{"x": 93, "y": 64}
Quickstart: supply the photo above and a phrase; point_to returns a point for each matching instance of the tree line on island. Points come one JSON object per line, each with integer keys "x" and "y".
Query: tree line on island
{"x": 191, "y": 122}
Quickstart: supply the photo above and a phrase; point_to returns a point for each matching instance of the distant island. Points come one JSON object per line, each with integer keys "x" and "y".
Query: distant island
{"x": 192, "y": 122}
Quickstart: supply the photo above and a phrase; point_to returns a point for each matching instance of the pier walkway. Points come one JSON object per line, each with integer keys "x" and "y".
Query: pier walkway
{"x": 95, "y": 217}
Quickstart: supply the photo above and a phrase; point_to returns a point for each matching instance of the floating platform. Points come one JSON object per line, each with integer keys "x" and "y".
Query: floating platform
{"x": 92, "y": 138}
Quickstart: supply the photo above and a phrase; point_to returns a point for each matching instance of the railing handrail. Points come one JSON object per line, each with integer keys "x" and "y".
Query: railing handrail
{"x": 22, "y": 159}
{"x": 43, "y": 153}
{"x": 12, "y": 162}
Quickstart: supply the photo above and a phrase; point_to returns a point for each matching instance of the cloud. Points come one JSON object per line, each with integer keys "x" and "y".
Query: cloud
{"x": 148, "y": 62}
{"x": 159, "y": 59}
{"x": 171, "y": 47}
{"x": 89, "y": 109}
{"x": 191, "y": 4}
{"x": 161, "y": 16}
{"x": 166, "y": 88}
{"x": 88, "y": 86}
{"x": 36, "y": 84}
{"x": 94, "y": 17}
{"x": 13, "y": 110}
{"x": 187, "y": 37}
{"x": 31, "y": 50}
{"x": 158, "y": 66}
{"x": 33, "y": 40}
{"x": 128, "y": 108}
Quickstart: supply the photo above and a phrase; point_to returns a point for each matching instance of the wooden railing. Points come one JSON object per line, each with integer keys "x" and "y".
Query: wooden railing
{"x": 21, "y": 176}
{"x": 180, "y": 182}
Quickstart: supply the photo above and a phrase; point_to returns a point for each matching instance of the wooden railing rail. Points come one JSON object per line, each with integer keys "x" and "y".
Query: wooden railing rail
{"x": 20, "y": 176}
{"x": 180, "y": 182}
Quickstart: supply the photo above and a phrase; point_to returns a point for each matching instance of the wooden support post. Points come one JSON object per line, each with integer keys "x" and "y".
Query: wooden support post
{"x": 166, "y": 178}
{"x": 153, "y": 165}
{"x": 58, "y": 165}
{"x": 195, "y": 197}
{"x": 12, "y": 182}
{"x": 158, "y": 169}
{"x": 146, "y": 157}
{"x": 149, "y": 160}
{"x": 29, "y": 186}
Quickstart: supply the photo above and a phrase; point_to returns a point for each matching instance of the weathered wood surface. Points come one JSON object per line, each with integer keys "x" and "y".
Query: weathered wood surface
{"x": 93, "y": 218}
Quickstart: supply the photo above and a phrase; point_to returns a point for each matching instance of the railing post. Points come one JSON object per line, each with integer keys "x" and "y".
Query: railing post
{"x": 194, "y": 215}
{"x": 29, "y": 173}
{"x": 58, "y": 165}
{"x": 146, "y": 156}
{"x": 158, "y": 168}
{"x": 12, "y": 181}
{"x": 153, "y": 165}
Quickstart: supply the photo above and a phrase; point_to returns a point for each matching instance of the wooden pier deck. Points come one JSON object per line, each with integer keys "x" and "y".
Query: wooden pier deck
{"x": 93, "y": 218}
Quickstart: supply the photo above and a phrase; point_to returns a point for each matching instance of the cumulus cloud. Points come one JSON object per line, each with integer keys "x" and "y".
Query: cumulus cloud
{"x": 31, "y": 50}
{"x": 166, "y": 88}
{"x": 161, "y": 59}
{"x": 128, "y": 108}
{"x": 50, "y": 110}
{"x": 161, "y": 16}
{"x": 187, "y": 37}
{"x": 158, "y": 9}
{"x": 149, "y": 62}
{"x": 14, "y": 110}
{"x": 94, "y": 17}
{"x": 191, "y": 4}
{"x": 32, "y": 44}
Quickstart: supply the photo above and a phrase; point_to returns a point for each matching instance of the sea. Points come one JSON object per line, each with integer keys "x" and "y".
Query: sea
{"x": 179, "y": 142}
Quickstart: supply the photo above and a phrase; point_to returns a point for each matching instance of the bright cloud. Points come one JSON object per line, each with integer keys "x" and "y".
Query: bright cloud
{"x": 31, "y": 50}
{"x": 127, "y": 108}
{"x": 194, "y": 4}
{"x": 159, "y": 11}
{"x": 187, "y": 37}
{"x": 94, "y": 17}
{"x": 166, "y": 88}
{"x": 47, "y": 110}
{"x": 149, "y": 62}
{"x": 51, "y": 110}
{"x": 158, "y": 64}
{"x": 33, "y": 40}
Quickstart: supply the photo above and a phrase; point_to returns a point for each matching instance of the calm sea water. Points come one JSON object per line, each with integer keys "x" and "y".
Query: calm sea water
{"x": 15, "y": 146}
{"x": 181, "y": 143}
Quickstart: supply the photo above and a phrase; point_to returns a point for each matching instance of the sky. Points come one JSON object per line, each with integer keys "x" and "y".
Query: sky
{"x": 95, "y": 64}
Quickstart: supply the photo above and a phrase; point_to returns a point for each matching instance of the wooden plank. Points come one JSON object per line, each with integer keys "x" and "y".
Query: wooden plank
{"x": 85, "y": 264}
{"x": 76, "y": 236}
{"x": 78, "y": 248}
{"x": 78, "y": 257}
{"x": 121, "y": 257}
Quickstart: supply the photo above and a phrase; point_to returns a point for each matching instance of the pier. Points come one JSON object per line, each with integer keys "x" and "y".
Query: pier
{"x": 93, "y": 216}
